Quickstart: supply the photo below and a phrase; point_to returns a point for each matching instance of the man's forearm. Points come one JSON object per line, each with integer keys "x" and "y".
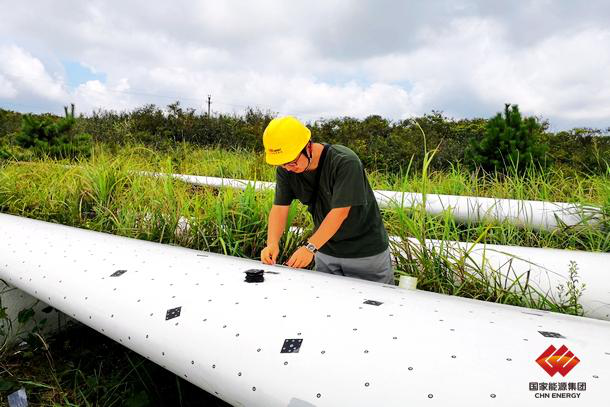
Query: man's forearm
{"x": 329, "y": 226}
{"x": 277, "y": 223}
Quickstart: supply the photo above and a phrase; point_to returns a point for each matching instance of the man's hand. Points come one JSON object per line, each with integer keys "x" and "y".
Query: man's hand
{"x": 270, "y": 253}
{"x": 300, "y": 258}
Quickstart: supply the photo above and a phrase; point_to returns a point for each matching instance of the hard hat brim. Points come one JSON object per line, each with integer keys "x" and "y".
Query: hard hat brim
{"x": 280, "y": 159}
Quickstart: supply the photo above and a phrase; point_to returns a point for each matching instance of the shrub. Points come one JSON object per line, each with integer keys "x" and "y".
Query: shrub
{"x": 381, "y": 144}
{"x": 509, "y": 143}
{"x": 4, "y": 155}
{"x": 46, "y": 135}
{"x": 9, "y": 122}
{"x": 584, "y": 149}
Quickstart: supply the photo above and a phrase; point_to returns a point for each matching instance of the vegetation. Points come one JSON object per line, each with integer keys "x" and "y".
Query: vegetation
{"x": 383, "y": 145}
{"x": 4, "y": 155}
{"x": 46, "y": 135}
{"x": 102, "y": 192}
{"x": 509, "y": 142}
{"x": 80, "y": 367}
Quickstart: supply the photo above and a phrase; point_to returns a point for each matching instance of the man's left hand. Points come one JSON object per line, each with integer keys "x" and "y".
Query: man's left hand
{"x": 300, "y": 258}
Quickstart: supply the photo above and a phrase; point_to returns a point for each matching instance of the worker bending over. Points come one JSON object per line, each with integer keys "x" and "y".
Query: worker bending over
{"x": 349, "y": 237}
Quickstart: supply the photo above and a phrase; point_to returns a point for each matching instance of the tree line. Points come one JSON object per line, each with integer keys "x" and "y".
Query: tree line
{"x": 507, "y": 141}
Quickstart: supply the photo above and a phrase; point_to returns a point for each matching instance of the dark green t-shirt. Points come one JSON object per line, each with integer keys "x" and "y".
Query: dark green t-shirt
{"x": 343, "y": 183}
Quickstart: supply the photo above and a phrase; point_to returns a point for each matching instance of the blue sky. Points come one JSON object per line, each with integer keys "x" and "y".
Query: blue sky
{"x": 312, "y": 59}
{"x": 77, "y": 74}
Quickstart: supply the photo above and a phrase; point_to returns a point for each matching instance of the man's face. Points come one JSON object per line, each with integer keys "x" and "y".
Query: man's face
{"x": 298, "y": 165}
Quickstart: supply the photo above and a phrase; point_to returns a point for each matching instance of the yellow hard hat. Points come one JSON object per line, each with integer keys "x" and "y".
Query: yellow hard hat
{"x": 284, "y": 139}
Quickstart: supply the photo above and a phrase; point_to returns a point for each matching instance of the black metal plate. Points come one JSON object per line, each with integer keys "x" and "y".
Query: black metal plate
{"x": 291, "y": 345}
{"x": 551, "y": 334}
{"x": 118, "y": 273}
{"x": 172, "y": 313}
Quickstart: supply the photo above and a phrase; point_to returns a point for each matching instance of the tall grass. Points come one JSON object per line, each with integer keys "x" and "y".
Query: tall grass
{"x": 103, "y": 194}
{"x": 450, "y": 269}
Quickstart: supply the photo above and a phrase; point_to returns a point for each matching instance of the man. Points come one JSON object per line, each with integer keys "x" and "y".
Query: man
{"x": 349, "y": 237}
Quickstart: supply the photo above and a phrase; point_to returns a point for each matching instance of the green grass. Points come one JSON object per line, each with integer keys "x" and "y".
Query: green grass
{"x": 80, "y": 367}
{"x": 103, "y": 194}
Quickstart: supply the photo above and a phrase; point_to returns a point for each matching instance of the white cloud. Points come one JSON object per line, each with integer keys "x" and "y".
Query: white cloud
{"x": 93, "y": 95}
{"x": 7, "y": 90}
{"x": 26, "y": 73}
{"x": 341, "y": 57}
{"x": 473, "y": 62}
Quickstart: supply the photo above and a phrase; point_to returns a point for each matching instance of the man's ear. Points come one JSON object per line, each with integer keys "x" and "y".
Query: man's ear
{"x": 308, "y": 150}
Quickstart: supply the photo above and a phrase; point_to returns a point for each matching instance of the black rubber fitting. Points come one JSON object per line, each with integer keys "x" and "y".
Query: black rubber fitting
{"x": 255, "y": 276}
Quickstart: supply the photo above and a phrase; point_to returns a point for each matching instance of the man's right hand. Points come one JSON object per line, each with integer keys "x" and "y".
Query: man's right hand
{"x": 270, "y": 253}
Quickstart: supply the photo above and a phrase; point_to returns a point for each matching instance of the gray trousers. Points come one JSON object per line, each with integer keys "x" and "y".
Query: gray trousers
{"x": 373, "y": 268}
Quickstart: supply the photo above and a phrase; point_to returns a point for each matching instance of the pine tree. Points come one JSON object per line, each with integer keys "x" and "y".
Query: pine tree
{"x": 54, "y": 137}
{"x": 509, "y": 142}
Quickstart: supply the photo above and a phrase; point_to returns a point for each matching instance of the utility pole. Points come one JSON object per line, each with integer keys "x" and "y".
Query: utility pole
{"x": 209, "y": 103}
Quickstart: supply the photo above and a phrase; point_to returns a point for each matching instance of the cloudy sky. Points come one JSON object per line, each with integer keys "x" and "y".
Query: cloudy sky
{"x": 312, "y": 59}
